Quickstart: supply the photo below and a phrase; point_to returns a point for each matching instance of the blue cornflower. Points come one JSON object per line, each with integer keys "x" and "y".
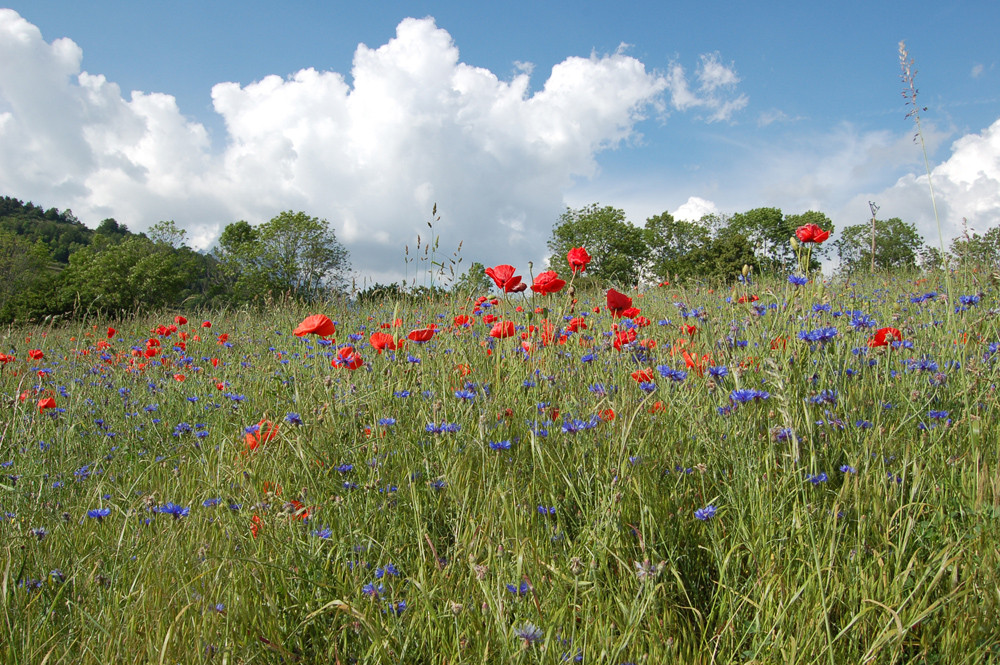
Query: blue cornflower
{"x": 98, "y": 513}
{"x": 172, "y": 508}
{"x": 818, "y": 478}
{"x": 388, "y": 570}
{"x": 861, "y": 321}
{"x": 543, "y": 510}
{"x": 519, "y": 590}
{"x": 969, "y": 301}
{"x": 293, "y": 418}
{"x": 647, "y": 386}
{"x": 848, "y": 469}
{"x": 821, "y": 335}
{"x": 500, "y": 445}
{"x": 719, "y": 372}
{"x": 387, "y": 422}
{"x": 745, "y": 395}
{"x": 937, "y": 415}
{"x": 798, "y": 280}
{"x": 529, "y": 633}
{"x": 372, "y": 589}
{"x": 465, "y": 394}
{"x": 402, "y": 394}
{"x": 672, "y": 374}
{"x": 706, "y": 513}
{"x": 209, "y": 503}
{"x": 825, "y": 397}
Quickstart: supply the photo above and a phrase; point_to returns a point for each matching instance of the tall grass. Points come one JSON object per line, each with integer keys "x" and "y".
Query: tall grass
{"x": 857, "y": 497}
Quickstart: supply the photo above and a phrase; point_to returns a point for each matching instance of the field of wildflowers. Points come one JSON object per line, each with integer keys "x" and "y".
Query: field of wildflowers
{"x": 776, "y": 471}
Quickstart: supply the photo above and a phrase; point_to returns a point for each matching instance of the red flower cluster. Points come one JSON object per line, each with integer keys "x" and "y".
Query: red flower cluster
{"x": 317, "y": 324}
{"x": 811, "y": 233}
{"x": 503, "y": 276}
{"x": 578, "y": 259}
{"x": 885, "y": 336}
{"x": 547, "y": 282}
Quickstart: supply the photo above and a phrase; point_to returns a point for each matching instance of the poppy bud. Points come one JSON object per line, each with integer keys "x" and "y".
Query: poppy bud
{"x": 794, "y": 242}
{"x": 746, "y": 270}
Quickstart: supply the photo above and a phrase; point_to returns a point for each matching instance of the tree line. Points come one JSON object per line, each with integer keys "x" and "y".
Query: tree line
{"x": 51, "y": 264}
{"x": 719, "y": 246}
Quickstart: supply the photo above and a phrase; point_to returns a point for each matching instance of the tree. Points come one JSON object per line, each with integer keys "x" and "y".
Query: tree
{"x": 167, "y": 231}
{"x": 111, "y": 229}
{"x": 723, "y": 257}
{"x": 292, "y": 253}
{"x": 473, "y": 281}
{"x": 897, "y": 245}
{"x": 769, "y": 232}
{"x": 22, "y": 265}
{"x": 674, "y": 244}
{"x": 976, "y": 250}
{"x": 134, "y": 273}
{"x": 618, "y": 248}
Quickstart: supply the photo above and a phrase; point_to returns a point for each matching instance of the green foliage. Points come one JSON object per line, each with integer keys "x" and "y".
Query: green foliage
{"x": 127, "y": 275}
{"x": 474, "y": 281}
{"x": 618, "y": 248}
{"x": 23, "y": 267}
{"x": 61, "y": 232}
{"x": 897, "y": 245}
{"x": 167, "y": 232}
{"x": 292, "y": 253}
{"x": 974, "y": 250}
{"x": 674, "y": 246}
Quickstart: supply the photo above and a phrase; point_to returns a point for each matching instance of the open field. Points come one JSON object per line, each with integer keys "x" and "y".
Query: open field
{"x": 757, "y": 474}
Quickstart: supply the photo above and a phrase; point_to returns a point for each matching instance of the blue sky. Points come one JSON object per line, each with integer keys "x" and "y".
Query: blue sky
{"x": 501, "y": 113}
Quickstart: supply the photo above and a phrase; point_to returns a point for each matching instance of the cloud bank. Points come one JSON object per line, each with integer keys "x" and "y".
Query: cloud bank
{"x": 416, "y": 126}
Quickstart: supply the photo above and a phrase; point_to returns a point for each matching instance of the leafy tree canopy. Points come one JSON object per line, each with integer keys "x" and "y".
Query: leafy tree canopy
{"x": 618, "y": 248}
{"x": 897, "y": 245}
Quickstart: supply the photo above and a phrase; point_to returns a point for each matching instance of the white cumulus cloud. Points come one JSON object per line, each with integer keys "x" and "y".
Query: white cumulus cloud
{"x": 966, "y": 188}
{"x": 414, "y": 126}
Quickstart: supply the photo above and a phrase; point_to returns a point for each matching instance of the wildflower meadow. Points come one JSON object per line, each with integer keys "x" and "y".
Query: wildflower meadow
{"x": 771, "y": 470}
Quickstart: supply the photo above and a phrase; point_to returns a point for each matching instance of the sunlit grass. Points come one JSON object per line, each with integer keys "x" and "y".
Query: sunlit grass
{"x": 463, "y": 501}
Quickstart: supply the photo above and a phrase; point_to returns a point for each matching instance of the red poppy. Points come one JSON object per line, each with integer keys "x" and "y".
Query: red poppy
{"x": 422, "y": 334}
{"x": 607, "y": 415}
{"x": 630, "y": 312}
{"x": 578, "y": 259}
{"x": 206, "y": 324}
{"x": 266, "y": 431}
{"x": 618, "y": 303}
{"x": 223, "y": 338}
{"x": 689, "y": 330}
{"x": 255, "y": 525}
{"x": 36, "y": 354}
{"x": 381, "y": 341}
{"x": 46, "y": 403}
{"x": 547, "y": 282}
{"x": 111, "y": 332}
{"x": 316, "y": 324}
{"x": 811, "y": 233}
{"x": 576, "y": 323}
{"x": 502, "y": 329}
{"x": 503, "y": 276}
{"x": 885, "y": 336}
{"x": 178, "y": 377}
{"x": 624, "y": 338}
{"x": 348, "y": 358}
{"x": 643, "y": 375}
{"x": 463, "y": 320}
{"x": 180, "y": 320}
